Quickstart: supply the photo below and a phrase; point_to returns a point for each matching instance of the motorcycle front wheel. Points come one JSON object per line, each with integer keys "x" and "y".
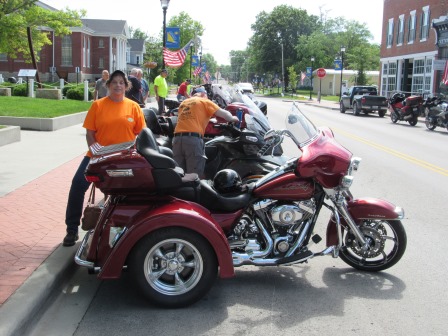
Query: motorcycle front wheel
{"x": 387, "y": 244}
{"x": 173, "y": 267}
{"x": 429, "y": 125}
{"x": 394, "y": 117}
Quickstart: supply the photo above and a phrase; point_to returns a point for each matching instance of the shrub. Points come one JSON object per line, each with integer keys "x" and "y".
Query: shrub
{"x": 19, "y": 90}
{"x": 77, "y": 93}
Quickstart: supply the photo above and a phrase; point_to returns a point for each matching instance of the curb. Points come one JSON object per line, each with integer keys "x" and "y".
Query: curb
{"x": 17, "y": 314}
{"x": 44, "y": 124}
{"x": 9, "y": 134}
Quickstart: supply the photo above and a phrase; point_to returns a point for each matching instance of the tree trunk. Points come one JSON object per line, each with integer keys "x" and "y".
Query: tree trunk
{"x": 33, "y": 57}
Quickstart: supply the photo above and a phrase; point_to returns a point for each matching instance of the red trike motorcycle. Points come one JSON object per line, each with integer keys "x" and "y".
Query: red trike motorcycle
{"x": 174, "y": 233}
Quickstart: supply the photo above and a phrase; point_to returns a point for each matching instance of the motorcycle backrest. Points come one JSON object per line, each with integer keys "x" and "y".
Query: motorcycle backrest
{"x": 147, "y": 146}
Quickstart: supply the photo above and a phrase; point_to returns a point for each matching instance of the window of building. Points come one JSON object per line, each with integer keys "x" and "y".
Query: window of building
{"x": 3, "y": 57}
{"x": 400, "y": 31}
{"x": 101, "y": 63}
{"x": 390, "y": 33}
{"x": 84, "y": 51}
{"x": 424, "y": 29}
{"x": 66, "y": 50}
{"x": 421, "y": 76}
{"x": 138, "y": 59}
{"x": 389, "y": 78}
{"x": 411, "y": 27}
{"x": 100, "y": 43}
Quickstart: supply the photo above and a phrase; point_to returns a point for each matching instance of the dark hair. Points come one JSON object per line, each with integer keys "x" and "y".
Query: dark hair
{"x": 118, "y": 73}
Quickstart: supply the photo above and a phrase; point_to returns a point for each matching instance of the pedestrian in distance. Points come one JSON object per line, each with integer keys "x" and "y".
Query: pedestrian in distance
{"x": 182, "y": 92}
{"x": 161, "y": 90}
{"x": 111, "y": 120}
{"x": 100, "y": 86}
{"x": 135, "y": 89}
{"x": 145, "y": 86}
{"x": 188, "y": 143}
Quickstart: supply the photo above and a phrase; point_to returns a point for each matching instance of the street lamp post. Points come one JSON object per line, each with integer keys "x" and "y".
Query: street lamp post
{"x": 164, "y": 4}
{"x": 342, "y": 69}
{"x": 283, "y": 71}
{"x": 311, "y": 88}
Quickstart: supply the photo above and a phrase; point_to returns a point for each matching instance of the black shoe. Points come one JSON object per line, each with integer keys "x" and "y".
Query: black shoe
{"x": 70, "y": 239}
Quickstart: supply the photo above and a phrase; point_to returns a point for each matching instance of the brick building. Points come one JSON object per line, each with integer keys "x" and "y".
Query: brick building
{"x": 414, "y": 46}
{"x": 83, "y": 55}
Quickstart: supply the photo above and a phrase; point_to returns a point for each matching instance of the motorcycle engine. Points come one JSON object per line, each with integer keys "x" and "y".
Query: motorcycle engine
{"x": 287, "y": 215}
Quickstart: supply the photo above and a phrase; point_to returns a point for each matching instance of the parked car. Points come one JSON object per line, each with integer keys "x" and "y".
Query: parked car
{"x": 245, "y": 87}
{"x": 363, "y": 99}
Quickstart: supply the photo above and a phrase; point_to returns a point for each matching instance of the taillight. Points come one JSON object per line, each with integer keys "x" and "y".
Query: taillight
{"x": 93, "y": 178}
{"x": 363, "y": 100}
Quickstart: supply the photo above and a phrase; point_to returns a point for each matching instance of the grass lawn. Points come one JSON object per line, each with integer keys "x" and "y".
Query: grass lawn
{"x": 40, "y": 108}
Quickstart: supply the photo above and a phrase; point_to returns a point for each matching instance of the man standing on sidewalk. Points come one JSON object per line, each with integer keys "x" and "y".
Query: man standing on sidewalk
{"x": 100, "y": 86}
{"x": 161, "y": 90}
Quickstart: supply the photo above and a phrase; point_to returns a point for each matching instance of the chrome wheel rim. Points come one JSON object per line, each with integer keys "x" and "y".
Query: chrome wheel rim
{"x": 173, "y": 267}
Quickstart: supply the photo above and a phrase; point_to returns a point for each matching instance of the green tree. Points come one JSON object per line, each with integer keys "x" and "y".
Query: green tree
{"x": 279, "y": 30}
{"x": 292, "y": 74}
{"x": 16, "y": 16}
{"x": 21, "y": 30}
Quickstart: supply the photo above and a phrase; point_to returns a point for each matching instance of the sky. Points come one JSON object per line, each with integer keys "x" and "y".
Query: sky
{"x": 226, "y": 22}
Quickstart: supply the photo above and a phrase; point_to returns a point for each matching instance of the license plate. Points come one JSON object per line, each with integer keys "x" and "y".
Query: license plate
{"x": 374, "y": 107}
{"x": 415, "y": 109}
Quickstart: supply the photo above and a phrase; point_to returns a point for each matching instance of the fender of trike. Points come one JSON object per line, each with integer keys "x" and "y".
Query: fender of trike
{"x": 177, "y": 213}
{"x": 364, "y": 208}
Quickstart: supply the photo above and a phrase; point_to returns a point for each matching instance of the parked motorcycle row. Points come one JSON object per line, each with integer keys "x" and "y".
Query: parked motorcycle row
{"x": 175, "y": 233}
{"x": 434, "y": 109}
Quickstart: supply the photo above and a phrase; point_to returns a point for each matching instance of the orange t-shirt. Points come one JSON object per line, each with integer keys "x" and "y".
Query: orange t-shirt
{"x": 114, "y": 122}
{"x": 194, "y": 115}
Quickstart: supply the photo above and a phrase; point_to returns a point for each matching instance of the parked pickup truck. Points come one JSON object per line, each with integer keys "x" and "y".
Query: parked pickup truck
{"x": 363, "y": 99}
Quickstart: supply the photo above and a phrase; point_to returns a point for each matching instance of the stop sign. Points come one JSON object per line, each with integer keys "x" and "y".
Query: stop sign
{"x": 321, "y": 72}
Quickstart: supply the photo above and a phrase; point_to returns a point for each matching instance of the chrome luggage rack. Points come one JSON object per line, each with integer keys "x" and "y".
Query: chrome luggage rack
{"x": 115, "y": 148}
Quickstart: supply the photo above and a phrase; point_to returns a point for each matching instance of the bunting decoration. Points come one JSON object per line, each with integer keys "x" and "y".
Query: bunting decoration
{"x": 176, "y": 59}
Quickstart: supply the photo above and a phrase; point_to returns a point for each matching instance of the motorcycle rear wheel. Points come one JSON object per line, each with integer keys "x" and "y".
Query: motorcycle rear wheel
{"x": 413, "y": 121}
{"x": 387, "y": 240}
{"x": 173, "y": 267}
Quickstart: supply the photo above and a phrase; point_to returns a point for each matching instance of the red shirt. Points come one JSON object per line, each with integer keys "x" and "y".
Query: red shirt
{"x": 183, "y": 89}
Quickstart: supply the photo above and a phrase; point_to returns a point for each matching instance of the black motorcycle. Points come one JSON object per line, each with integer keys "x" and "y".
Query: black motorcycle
{"x": 436, "y": 112}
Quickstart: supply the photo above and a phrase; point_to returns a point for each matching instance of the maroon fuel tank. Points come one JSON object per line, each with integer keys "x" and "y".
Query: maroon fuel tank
{"x": 286, "y": 187}
{"x": 324, "y": 159}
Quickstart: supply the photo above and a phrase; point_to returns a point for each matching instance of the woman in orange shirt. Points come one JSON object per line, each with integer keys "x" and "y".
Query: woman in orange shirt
{"x": 110, "y": 120}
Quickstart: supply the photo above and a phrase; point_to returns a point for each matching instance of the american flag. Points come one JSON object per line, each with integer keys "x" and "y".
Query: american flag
{"x": 302, "y": 78}
{"x": 197, "y": 71}
{"x": 176, "y": 59}
{"x": 207, "y": 77}
{"x": 445, "y": 74}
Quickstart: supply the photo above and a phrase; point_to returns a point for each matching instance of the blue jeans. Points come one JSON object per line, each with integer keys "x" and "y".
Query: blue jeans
{"x": 76, "y": 197}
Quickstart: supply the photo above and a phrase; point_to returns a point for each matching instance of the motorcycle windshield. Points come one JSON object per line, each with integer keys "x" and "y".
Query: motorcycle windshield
{"x": 300, "y": 126}
{"x": 256, "y": 112}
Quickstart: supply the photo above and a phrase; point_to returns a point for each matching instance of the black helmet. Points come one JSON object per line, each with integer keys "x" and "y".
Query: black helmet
{"x": 227, "y": 181}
